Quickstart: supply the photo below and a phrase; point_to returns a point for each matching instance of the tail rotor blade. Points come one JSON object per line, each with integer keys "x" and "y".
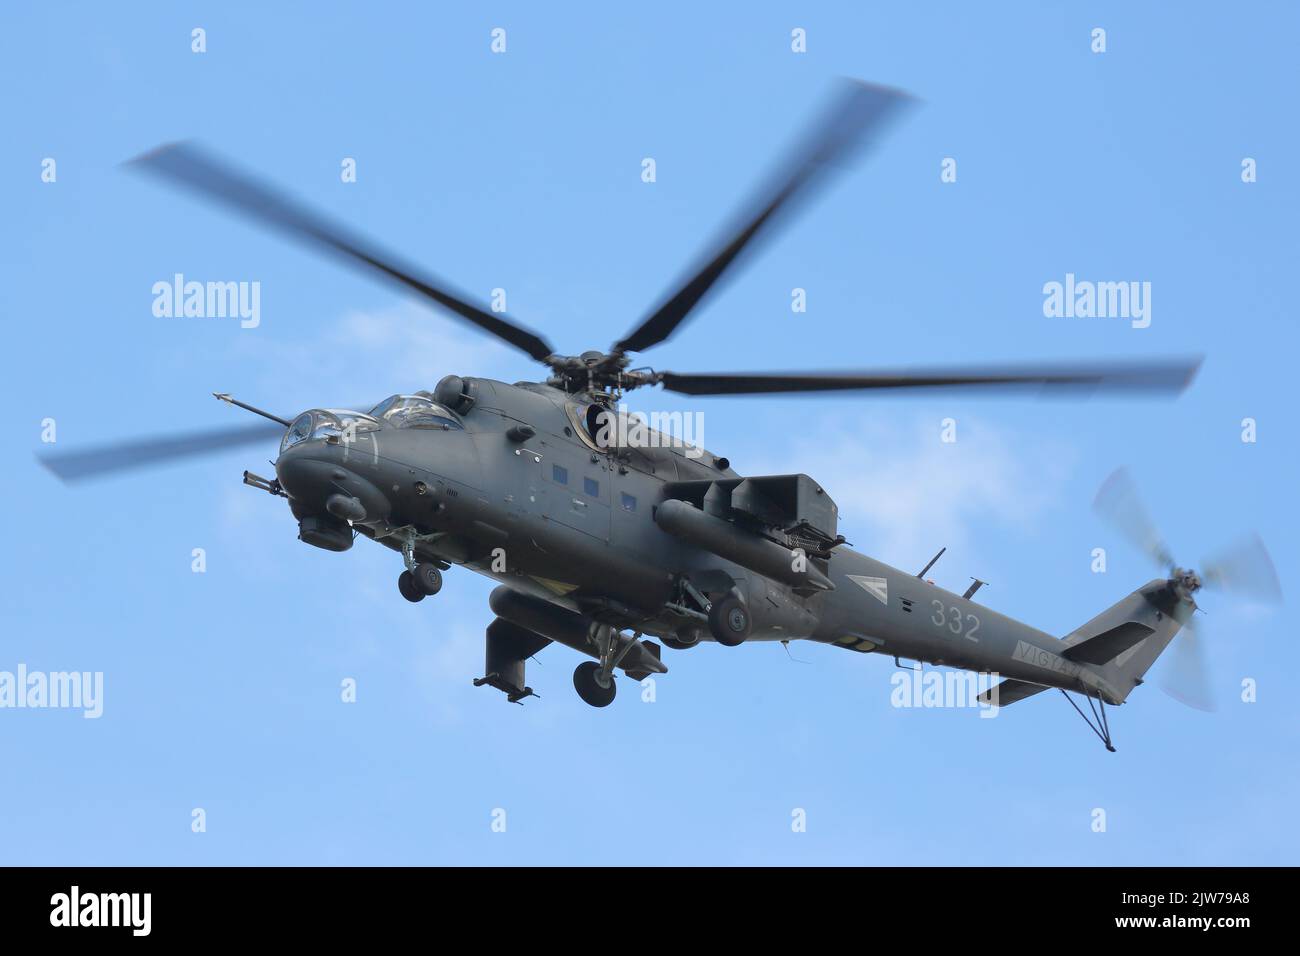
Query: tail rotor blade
{"x": 1185, "y": 676}
{"x": 1245, "y": 569}
{"x": 1120, "y": 504}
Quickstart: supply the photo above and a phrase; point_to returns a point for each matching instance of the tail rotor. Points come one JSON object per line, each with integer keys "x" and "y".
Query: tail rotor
{"x": 1244, "y": 569}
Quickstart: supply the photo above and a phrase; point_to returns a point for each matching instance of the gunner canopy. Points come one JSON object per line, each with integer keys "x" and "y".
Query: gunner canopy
{"x": 324, "y": 423}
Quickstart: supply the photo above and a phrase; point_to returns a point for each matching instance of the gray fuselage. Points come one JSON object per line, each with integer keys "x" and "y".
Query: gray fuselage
{"x": 522, "y": 493}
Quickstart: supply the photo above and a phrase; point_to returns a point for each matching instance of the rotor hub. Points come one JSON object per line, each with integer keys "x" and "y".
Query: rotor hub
{"x": 1186, "y": 582}
{"x": 597, "y": 373}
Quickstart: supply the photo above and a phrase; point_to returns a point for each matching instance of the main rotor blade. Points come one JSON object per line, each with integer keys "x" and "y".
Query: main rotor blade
{"x": 187, "y": 165}
{"x": 1245, "y": 569}
{"x": 1167, "y": 376}
{"x": 1120, "y": 504}
{"x": 857, "y": 113}
{"x": 101, "y": 460}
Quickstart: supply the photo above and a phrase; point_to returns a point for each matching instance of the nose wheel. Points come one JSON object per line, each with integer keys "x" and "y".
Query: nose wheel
{"x": 587, "y": 682}
{"x": 423, "y": 581}
{"x": 406, "y": 584}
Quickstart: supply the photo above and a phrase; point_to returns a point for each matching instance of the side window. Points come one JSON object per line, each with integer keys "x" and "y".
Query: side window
{"x": 559, "y": 474}
{"x": 629, "y": 503}
{"x": 591, "y": 486}
{"x": 597, "y": 428}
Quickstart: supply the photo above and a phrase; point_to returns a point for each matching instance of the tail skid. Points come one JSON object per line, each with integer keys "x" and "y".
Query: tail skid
{"x": 1115, "y": 649}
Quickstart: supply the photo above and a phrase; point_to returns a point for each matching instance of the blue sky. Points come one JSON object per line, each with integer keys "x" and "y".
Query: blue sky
{"x": 522, "y": 171}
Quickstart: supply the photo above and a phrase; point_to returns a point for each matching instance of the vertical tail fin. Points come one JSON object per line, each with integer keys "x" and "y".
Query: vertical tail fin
{"x": 1123, "y": 641}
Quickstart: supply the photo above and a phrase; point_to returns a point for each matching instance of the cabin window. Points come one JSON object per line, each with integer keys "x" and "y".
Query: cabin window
{"x": 629, "y": 503}
{"x": 591, "y": 486}
{"x": 559, "y": 474}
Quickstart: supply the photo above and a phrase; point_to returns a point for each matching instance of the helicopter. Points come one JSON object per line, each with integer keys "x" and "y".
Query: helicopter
{"x": 617, "y": 541}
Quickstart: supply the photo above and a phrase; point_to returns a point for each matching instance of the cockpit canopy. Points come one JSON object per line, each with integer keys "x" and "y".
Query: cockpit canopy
{"x": 414, "y": 411}
{"x": 399, "y": 411}
{"x": 326, "y": 423}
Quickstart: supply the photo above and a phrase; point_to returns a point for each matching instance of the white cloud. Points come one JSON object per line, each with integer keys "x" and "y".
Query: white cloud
{"x": 908, "y": 493}
{"x": 366, "y": 355}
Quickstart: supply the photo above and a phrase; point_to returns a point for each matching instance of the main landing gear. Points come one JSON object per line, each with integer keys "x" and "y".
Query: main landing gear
{"x": 729, "y": 621}
{"x": 424, "y": 581}
{"x": 728, "y": 617}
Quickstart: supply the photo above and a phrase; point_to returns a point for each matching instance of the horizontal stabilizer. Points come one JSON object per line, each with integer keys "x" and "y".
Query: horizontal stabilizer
{"x": 1010, "y": 691}
{"x": 1108, "y": 645}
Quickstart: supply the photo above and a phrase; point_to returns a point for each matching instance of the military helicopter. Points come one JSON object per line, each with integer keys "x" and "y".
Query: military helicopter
{"x": 600, "y": 541}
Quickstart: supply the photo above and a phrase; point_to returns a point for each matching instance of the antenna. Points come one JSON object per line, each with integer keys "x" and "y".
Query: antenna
{"x": 223, "y": 397}
{"x": 931, "y": 564}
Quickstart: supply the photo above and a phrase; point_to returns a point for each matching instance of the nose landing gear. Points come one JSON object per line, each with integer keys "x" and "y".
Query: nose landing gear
{"x": 425, "y": 580}
{"x": 421, "y": 579}
{"x": 587, "y": 681}
{"x": 406, "y": 584}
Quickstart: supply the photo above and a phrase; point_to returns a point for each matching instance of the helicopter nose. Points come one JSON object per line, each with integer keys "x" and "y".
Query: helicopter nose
{"x": 317, "y": 484}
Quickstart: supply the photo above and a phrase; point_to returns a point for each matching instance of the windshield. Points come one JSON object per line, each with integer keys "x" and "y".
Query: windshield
{"x": 326, "y": 423}
{"x": 414, "y": 411}
{"x": 297, "y": 432}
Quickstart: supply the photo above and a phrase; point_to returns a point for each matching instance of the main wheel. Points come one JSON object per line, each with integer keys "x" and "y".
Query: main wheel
{"x": 586, "y": 681}
{"x": 427, "y": 578}
{"x": 729, "y": 621}
{"x": 406, "y": 584}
